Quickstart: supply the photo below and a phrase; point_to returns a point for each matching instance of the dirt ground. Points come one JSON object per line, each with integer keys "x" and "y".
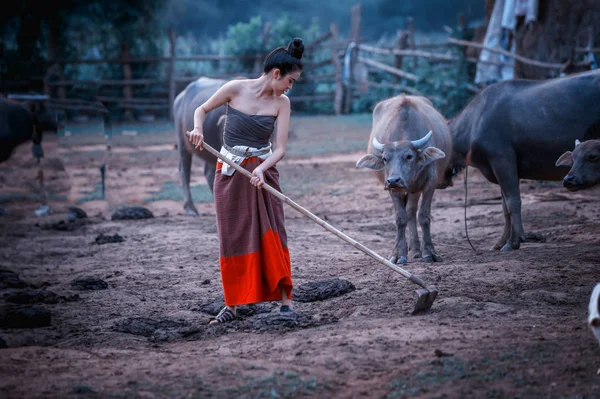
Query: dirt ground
{"x": 505, "y": 324}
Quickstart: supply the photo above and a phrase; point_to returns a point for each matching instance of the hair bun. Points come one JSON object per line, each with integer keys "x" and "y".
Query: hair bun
{"x": 296, "y": 48}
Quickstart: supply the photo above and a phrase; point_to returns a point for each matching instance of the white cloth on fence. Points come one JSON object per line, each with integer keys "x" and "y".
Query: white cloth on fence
{"x": 227, "y": 170}
{"x": 501, "y": 25}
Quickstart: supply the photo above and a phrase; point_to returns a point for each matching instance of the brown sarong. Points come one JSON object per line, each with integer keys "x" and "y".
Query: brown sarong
{"x": 254, "y": 256}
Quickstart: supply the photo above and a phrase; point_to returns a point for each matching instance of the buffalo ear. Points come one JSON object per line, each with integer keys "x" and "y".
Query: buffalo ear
{"x": 565, "y": 159}
{"x": 371, "y": 161}
{"x": 431, "y": 154}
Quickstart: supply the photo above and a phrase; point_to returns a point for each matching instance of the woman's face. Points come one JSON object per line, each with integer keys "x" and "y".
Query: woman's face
{"x": 281, "y": 84}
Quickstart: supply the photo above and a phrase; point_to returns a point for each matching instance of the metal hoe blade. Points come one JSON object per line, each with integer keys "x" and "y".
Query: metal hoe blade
{"x": 425, "y": 298}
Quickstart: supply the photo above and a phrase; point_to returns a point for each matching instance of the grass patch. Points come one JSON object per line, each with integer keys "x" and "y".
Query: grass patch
{"x": 91, "y": 195}
{"x": 502, "y": 367}
{"x": 12, "y": 197}
{"x": 280, "y": 385}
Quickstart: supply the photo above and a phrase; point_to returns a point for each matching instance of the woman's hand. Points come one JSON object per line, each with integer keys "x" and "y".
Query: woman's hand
{"x": 258, "y": 178}
{"x": 196, "y": 137}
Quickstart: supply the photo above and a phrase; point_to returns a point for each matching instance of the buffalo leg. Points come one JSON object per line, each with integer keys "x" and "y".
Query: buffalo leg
{"x": 507, "y": 227}
{"x": 400, "y": 253}
{"x": 209, "y": 173}
{"x": 429, "y": 254}
{"x": 507, "y": 177}
{"x": 412, "y": 205}
{"x": 185, "y": 166}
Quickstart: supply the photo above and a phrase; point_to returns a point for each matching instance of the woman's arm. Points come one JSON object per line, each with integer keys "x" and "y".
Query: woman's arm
{"x": 281, "y": 134}
{"x": 221, "y": 96}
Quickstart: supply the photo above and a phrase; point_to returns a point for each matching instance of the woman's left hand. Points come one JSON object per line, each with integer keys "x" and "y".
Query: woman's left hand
{"x": 258, "y": 178}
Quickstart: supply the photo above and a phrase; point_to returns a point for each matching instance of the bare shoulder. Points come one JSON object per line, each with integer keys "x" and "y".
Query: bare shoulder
{"x": 233, "y": 86}
{"x": 283, "y": 104}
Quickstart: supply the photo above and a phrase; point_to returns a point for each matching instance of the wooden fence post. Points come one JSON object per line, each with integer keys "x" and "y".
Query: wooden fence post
{"x": 263, "y": 46}
{"x": 337, "y": 70}
{"x": 172, "y": 87}
{"x": 128, "y": 115}
{"x": 401, "y": 44}
{"x": 410, "y": 27}
{"x": 355, "y": 14}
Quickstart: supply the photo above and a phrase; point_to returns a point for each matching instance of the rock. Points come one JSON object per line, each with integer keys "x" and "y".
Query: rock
{"x": 132, "y": 213}
{"x": 76, "y": 213}
{"x": 3, "y": 343}
{"x": 3, "y": 212}
{"x": 83, "y": 389}
{"x": 88, "y": 283}
{"x": 15, "y": 316}
{"x": 10, "y": 279}
{"x": 108, "y": 239}
{"x": 440, "y": 353}
{"x": 322, "y": 290}
{"x": 146, "y": 327}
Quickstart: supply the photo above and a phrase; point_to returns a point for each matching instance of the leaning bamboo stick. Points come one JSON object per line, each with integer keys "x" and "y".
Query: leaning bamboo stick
{"x": 521, "y": 59}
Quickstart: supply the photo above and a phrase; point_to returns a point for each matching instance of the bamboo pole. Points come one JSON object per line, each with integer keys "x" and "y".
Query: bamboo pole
{"x": 355, "y": 13}
{"x": 338, "y": 100}
{"x": 410, "y": 26}
{"x": 395, "y": 87}
{"x": 319, "y": 40}
{"x": 263, "y": 46}
{"x": 399, "y": 52}
{"x": 128, "y": 115}
{"x": 401, "y": 44}
{"x": 390, "y": 69}
{"x": 108, "y": 82}
{"x": 519, "y": 58}
{"x": 172, "y": 84}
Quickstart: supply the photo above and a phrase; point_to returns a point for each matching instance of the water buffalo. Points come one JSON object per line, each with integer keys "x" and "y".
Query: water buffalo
{"x": 410, "y": 162}
{"x": 584, "y": 162}
{"x": 194, "y": 95}
{"x": 517, "y": 129}
{"x": 20, "y": 123}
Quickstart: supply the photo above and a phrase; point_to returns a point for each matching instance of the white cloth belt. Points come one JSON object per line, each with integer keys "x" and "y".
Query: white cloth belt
{"x": 234, "y": 155}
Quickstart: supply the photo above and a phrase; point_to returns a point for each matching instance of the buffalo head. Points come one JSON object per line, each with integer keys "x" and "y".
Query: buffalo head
{"x": 404, "y": 162}
{"x": 585, "y": 165}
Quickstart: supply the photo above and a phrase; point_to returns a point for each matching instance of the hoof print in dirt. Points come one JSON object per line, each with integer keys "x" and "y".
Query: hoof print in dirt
{"x": 147, "y": 327}
{"x": 14, "y": 316}
{"x": 29, "y": 296}
{"x": 89, "y": 283}
{"x": 76, "y": 213}
{"x": 322, "y": 290}
{"x": 277, "y": 322}
{"x": 10, "y": 279}
{"x": 108, "y": 239}
{"x": 132, "y": 213}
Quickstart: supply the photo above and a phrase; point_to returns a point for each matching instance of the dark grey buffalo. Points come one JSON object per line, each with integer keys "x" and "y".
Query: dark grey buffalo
{"x": 584, "y": 162}
{"x": 20, "y": 123}
{"x": 407, "y": 147}
{"x": 194, "y": 95}
{"x": 517, "y": 130}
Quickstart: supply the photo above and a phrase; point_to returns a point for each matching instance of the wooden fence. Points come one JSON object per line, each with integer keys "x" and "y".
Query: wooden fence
{"x": 343, "y": 88}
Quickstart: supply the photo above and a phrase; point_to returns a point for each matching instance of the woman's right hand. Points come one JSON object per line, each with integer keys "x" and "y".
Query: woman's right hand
{"x": 196, "y": 137}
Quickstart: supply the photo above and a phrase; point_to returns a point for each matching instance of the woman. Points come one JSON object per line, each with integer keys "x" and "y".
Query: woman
{"x": 254, "y": 258}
